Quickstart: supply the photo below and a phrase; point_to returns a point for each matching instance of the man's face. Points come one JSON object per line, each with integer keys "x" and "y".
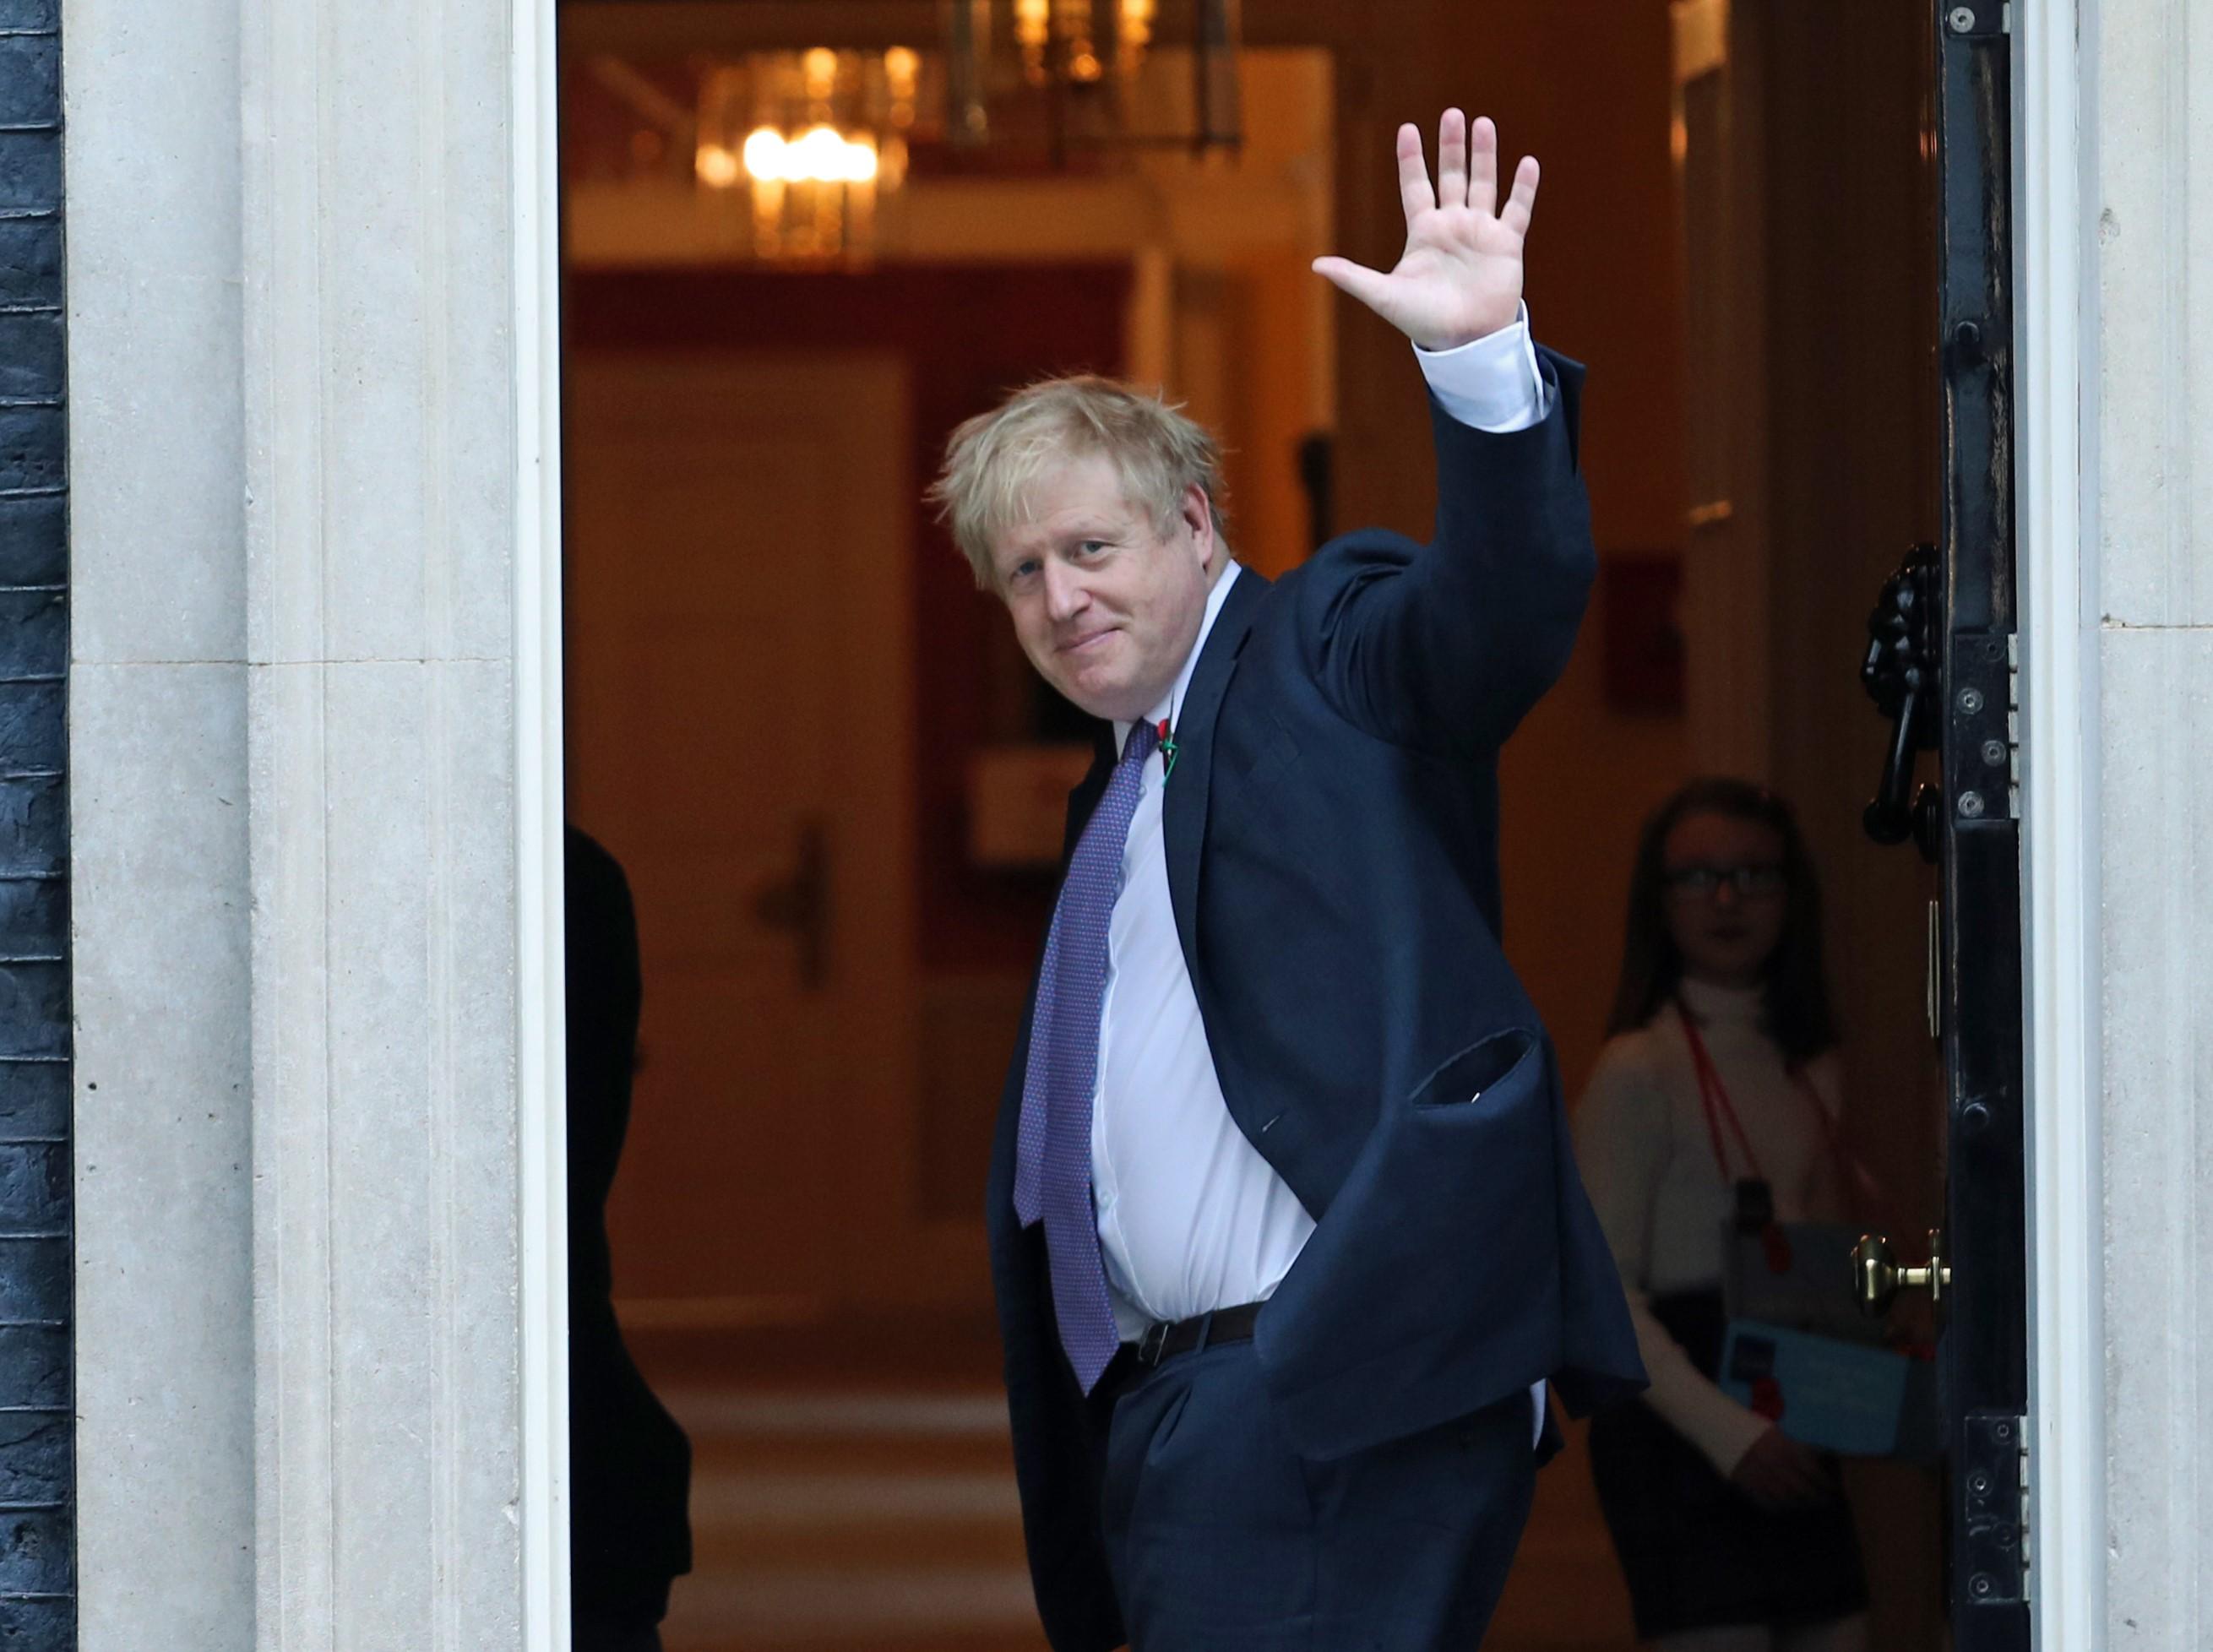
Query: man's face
{"x": 1105, "y": 605}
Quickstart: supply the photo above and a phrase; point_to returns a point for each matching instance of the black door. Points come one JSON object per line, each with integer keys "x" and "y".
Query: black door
{"x": 1942, "y": 662}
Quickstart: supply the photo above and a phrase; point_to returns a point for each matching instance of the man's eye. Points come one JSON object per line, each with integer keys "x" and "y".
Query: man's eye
{"x": 1092, "y": 547}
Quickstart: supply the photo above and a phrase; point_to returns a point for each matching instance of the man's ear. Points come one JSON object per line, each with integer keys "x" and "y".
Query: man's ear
{"x": 1197, "y": 515}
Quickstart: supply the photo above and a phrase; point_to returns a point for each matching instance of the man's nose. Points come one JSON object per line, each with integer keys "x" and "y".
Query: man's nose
{"x": 1065, "y": 595}
{"x": 1725, "y": 892}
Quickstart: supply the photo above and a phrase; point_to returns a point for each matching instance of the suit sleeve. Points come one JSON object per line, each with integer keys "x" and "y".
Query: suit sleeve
{"x": 1445, "y": 647}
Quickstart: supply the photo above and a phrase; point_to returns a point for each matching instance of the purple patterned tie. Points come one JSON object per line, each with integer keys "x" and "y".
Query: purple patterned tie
{"x": 1053, "y": 1147}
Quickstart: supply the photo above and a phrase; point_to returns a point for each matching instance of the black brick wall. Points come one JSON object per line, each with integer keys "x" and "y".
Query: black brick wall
{"x": 38, "y": 1481}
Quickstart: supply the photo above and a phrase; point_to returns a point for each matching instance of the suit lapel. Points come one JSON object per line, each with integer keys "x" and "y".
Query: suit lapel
{"x": 1185, "y": 800}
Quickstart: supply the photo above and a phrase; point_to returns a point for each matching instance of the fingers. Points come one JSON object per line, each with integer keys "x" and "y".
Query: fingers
{"x": 1523, "y": 201}
{"x": 1779, "y": 1473}
{"x": 1414, "y": 192}
{"x": 1782, "y": 1490}
{"x": 1764, "y": 1487}
{"x": 1802, "y": 1483}
{"x": 1482, "y": 165}
{"x": 1452, "y": 159}
{"x": 1356, "y": 280}
{"x": 1467, "y": 172}
{"x": 1795, "y": 1474}
{"x": 1819, "y": 1487}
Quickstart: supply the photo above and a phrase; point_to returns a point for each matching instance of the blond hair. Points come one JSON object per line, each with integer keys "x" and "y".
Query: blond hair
{"x": 994, "y": 459}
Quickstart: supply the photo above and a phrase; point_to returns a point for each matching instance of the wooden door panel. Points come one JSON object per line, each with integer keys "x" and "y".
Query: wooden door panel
{"x": 739, "y": 543}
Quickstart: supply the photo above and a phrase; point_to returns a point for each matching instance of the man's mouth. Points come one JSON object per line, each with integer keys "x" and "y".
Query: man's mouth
{"x": 1088, "y": 640}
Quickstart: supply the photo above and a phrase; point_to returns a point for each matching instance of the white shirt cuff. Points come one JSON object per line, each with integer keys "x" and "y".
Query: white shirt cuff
{"x": 1491, "y": 384}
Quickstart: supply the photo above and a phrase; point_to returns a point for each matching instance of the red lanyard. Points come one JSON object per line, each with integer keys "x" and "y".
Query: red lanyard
{"x": 1714, "y": 1096}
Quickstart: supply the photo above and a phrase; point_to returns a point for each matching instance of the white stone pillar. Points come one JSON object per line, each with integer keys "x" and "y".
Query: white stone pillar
{"x": 320, "y": 1259}
{"x": 384, "y": 437}
{"x": 2148, "y": 128}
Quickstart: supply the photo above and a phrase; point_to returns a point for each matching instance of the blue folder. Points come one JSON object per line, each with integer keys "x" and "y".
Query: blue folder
{"x": 1836, "y": 1396}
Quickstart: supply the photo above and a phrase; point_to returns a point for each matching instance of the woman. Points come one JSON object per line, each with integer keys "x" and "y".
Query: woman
{"x": 1717, "y": 1094}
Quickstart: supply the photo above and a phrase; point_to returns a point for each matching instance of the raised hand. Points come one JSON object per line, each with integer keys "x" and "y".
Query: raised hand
{"x": 1460, "y": 277}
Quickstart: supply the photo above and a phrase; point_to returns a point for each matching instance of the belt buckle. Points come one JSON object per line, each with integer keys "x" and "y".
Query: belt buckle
{"x": 1152, "y": 1347}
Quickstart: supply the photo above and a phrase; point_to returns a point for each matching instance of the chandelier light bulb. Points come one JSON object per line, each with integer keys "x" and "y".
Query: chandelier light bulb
{"x": 717, "y": 166}
{"x": 819, "y": 156}
{"x": 763, "y": 153}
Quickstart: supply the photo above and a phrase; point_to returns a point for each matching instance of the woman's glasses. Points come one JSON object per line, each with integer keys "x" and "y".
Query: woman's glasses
{"x": 1700, "y": 882}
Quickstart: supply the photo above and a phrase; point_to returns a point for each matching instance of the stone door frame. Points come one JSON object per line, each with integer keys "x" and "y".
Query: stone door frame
{"x": 542, "y": 1041}
{"x": 316, "y": 761}
{"x": 2055, "y": 333}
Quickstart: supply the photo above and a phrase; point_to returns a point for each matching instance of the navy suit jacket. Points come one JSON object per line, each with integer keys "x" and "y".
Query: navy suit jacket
{"x": 1331, "y": 838}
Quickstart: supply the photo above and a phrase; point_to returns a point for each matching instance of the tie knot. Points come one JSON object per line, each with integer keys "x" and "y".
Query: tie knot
{"x": 1143, "y": 737}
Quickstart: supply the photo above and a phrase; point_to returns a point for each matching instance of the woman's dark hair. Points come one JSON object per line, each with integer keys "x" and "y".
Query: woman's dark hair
{"x": 1796, "y": 989}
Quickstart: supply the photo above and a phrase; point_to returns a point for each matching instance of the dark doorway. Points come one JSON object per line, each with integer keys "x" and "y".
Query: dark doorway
{"x": 1740, "y": 232}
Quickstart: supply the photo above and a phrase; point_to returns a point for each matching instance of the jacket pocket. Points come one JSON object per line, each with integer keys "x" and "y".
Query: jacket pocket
{"x": 1431, "y": 1288}
{"x": 1463, "y": 1078}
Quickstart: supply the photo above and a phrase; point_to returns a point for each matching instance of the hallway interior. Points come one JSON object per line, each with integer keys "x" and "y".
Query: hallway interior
{"x": 838, "y": 935}
{"x": 852, "y": 1487}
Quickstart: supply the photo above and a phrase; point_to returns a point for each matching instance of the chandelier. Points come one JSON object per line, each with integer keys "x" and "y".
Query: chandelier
{"x": 811, "y": 138}
{"x": 804, "y": 145}
{"x": 1077, "y": 68}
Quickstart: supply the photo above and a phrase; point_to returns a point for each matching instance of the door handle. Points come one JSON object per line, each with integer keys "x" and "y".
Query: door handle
{"x": 801, "y": 903}
{"x": 1899, "y": 674}
{"x": 1877, "y": 1278}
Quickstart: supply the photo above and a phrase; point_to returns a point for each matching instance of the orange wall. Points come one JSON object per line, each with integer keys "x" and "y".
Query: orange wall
{"x": 1273, "y": 397}
{"x": 1587, "y": 90}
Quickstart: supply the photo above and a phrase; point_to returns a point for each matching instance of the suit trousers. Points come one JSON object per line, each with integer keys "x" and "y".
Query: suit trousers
{"x": 1222, "y": 1539}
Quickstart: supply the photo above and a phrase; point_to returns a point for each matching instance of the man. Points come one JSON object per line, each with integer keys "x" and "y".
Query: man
{"x": 1286, "y": 1231}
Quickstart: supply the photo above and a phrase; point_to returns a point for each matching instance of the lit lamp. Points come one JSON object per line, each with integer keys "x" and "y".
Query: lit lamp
{"x": 811, "y": 160}
{"x": 1133, "y": 33}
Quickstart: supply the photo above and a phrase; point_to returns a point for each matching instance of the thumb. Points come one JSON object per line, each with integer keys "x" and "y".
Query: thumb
{"x": 1367, "y": 285}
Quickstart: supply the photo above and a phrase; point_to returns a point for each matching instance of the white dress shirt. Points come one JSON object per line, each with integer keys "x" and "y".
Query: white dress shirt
{"x": 1190, "y": 1218}
{"x": 1492, "y": 384}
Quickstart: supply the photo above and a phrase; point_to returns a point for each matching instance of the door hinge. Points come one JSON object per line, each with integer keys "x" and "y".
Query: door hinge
{"x": 2013, "y": 725}
{"x": 1993, "y": 1493}
{"x": 1983, "y": 782}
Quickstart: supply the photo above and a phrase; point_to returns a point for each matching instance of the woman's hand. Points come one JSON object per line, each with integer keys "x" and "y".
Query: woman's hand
{"x": 1778, "y": 1472}
{"x": 1460, "y": 277}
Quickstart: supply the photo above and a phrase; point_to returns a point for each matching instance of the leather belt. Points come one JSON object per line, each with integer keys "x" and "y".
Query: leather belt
{"x": 1164, "y": 1340}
